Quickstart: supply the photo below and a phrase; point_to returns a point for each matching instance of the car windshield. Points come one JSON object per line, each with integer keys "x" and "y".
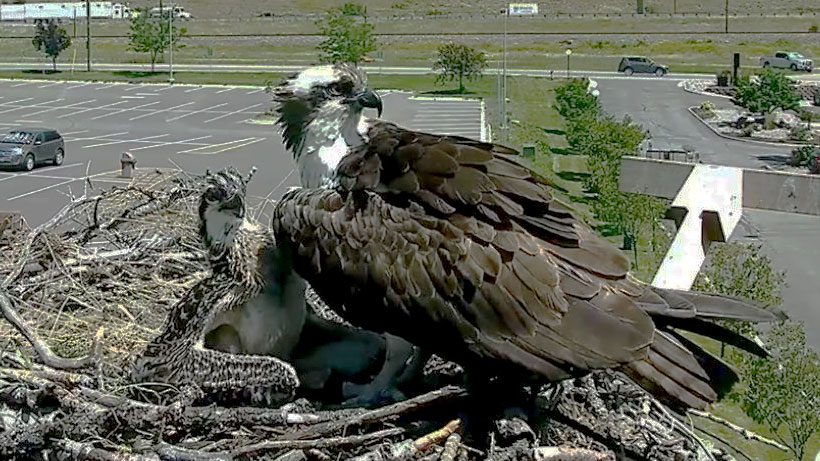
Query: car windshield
{"x": 18, "y": 137}
{"x": 796, "y": 56}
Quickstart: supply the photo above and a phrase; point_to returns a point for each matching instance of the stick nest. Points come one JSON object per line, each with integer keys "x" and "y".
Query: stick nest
{"x": 92, "y": 286}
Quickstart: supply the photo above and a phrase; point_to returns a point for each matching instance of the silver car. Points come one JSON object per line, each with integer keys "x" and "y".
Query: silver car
{"x": 27, "y": 147}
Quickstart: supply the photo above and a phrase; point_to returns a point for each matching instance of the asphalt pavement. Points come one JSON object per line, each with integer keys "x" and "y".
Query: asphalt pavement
{"x": 190, "y": 127}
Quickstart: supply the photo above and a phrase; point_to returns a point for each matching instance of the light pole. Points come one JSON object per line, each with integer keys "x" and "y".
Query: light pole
{"x": 569, "y": 53}
{"x": 726, "y": 16}
{"x": 171, "y": 45}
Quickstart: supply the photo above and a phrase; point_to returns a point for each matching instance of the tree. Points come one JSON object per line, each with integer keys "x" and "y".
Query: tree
{"x": 773, "y": 90}
{"x": 151, "y": 35}
{"x": 348, "y": 35}
{"x": 459, "y": 62}
{"x": 783, "y": 392}
{"x": 574, "y": 101}
{"x": 51, "y": 39}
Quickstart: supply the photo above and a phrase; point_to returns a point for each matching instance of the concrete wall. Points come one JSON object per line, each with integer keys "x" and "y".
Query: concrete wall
{"x": 766, "y": 190}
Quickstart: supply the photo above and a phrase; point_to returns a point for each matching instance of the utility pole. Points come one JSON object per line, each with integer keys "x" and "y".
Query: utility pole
{"x": 171, "y": 45}
{"x": 726, "y": 17}
{"x": 88, "y": 35}
{"x": 504, "y": 127}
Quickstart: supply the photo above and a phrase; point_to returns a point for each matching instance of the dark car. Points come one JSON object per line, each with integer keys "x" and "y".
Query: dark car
{"x": 641, "y": 64}
{"x": 27, "y": 147}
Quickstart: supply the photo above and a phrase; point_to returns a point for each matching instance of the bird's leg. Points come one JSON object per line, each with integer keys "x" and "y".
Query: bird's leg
{"x": 402, "y": 362}
{"x": 263, "y": 378}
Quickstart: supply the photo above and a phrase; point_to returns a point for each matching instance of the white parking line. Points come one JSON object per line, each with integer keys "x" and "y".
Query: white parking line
{"x": 121, "y": 141}
{"x": 214, "y": 145}
{"x": 59, "y": 184}
{"x": 119, "y": 111}
{"x": 162, "y": 144}
{"x": 196, "y": 112}
{"x": 51, "y": 84}
{"x": 21, "y": 84}
{"x": 132, "y": 97}
{"x": 101, "y": 137}
{"x": 17, "y": 175}
{"x": 237, "y": 146}
{"x": 39, "y": 104}
{"x": 147, "y": 94}
{"x": 254, "y": 91}
{"x": 193, "y": 89}
{"x": 70, "y": 133}
{"x": 160, "y": 111}
{"x": 226, "y": 89}
{"x": 133, "y": 88}
{"x": 25, "y": 120}
{"x": 108, "y": 86}
{"x": 62, "y": 107}
{"x": 232, "y": 113}
{"x": 165, "y": 88}
{"x": 77, "y": 86}
{"x": 14, "y": 102}
{"x": 92, "y": 108}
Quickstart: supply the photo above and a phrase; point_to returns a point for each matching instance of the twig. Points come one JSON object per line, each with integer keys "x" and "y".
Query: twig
{"x": 43, "y": 351}
{"x": 381, "y": 414}
{"x": 326, "y": 442}
{"x": 434, "y": 438}
{"x": 85, "y": 451}
{"x": 170, "y": 452}
{"x": 746, "y": 433}
{"x": 451, "y": 447}
{"x": 569, "y": 454}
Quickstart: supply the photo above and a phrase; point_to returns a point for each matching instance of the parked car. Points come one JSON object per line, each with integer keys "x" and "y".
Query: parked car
{"x": 641, "y": 64}
{"x": 787, "y": 60}
{"x": 27, "y": 147}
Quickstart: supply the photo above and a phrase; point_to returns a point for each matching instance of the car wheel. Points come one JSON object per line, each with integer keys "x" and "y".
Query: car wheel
{"x": 58, "y": 157}
{"x": 28, "y": 162}
{"x": 660, "y": 72}
{"x": 628, "y": 71}
{"x": 793, "y": 67}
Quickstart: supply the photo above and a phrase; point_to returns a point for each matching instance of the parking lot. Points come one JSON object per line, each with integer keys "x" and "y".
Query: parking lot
{"x": 190, "y": 127}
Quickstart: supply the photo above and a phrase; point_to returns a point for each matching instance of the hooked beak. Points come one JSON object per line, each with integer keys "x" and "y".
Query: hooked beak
{"x": 235, "y": 204}
{"x": 371, "y": 99}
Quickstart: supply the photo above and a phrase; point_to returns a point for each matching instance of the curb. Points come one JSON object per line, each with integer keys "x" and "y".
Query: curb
{"x": 702, "y": 93}
{"x": 734, "y": 138}
{"x": 120, "y": 82}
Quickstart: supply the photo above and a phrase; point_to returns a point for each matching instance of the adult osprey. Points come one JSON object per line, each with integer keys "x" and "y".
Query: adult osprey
{"x": 458, "y": 247}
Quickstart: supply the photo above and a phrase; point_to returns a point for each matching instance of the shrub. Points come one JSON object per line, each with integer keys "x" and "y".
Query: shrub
{"x": 804, "y": 156}
{"x": 706, "y": 109}
{"x": 800, "y": 133}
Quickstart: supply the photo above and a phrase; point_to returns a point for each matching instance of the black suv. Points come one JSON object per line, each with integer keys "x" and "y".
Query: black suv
{"x": 641, "y": 64}
{"x": 26, "y": 147}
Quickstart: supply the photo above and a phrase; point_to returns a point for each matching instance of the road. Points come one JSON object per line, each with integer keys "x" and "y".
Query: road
{"x": 192, "y": 127}
{"x": 790, "y": 240}
{"x": 660, "y": 107}
{"x": 371, "y": 69}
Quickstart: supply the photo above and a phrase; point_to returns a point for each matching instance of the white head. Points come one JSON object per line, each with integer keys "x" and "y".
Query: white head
{"x": 222, "y": 207}
{"x": 320, "y": 113}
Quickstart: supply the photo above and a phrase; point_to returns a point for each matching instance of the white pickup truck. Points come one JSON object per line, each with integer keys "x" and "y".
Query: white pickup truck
{"x": 787, "y": 60}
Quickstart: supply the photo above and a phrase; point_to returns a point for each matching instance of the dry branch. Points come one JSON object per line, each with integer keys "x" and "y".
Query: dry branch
{"x": 746, "y": 433}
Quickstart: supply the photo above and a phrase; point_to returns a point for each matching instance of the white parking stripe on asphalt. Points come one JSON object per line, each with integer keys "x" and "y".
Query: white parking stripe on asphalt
{"x": 159, "y": 111}
{"x": 232, "y": 113}
{"x": 119, "y": 111}
{"x": 61, "y": 167}
{"x": 92, "y": 108}
{"x": 214, "y": 145}
{"x": 42, "y": 189}
{"x": 196, "y": 112}
{"x": 39, "y": 104}
{"x": 122, "y": 141}
{"x": 62, "y": 107}
{"x": 91, "y": 138}
{"x": 169, "y": 143}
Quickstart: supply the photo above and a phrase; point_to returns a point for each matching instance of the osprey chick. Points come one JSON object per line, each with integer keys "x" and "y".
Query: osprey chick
{"x": 251, "y": 308}
{"x": 457, "y": 246}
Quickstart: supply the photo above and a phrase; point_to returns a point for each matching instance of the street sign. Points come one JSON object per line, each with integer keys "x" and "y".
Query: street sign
{"x": 523, "y": 9}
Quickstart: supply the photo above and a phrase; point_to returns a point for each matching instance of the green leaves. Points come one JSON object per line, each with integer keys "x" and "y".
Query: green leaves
{"x": 51, "y": 39}
{"x": 153, "y": 35}
{"x": 784, "y": 392}
{"x": 573, "y": 101}
{"x": 773, "y": 90}
{"x": 348, "y": 36}
{"x": 459, "y": 62}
